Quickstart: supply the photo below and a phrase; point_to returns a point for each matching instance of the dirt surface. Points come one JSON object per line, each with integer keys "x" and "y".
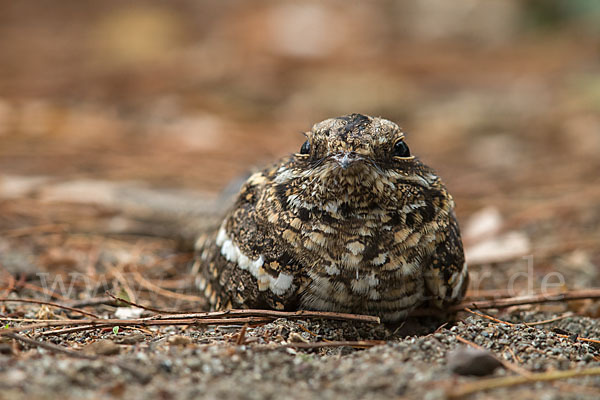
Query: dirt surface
{"x": 107, "y": 109}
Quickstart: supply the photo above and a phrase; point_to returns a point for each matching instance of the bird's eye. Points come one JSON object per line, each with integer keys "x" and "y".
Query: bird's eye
{"x": 305, "y": 149}
{"x": 401, "y": 149}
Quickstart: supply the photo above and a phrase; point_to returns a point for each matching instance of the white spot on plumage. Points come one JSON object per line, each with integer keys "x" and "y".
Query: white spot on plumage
{"x": 372, "y": 279}
{"x": 355, "y": 247}
{"x": 233, "y": 254}
{"x": 230, "y": 251}
{"x": 332, "y": 269}
{"x": 295, "y": 202}
{"x": 359, "y": 286}
{"x": 380, "y": 259}
{"x": 351, "y": 260}
{"x": 293, "y": 199}
{"x": 431, "y": 177}
{"x": 317, "y": 238}
{"x": 419, "y": 180}
{"x": 280, "y": 285}
{"x": 413, "y": 206}
{"x": 324, "y": 228}
{"x": 409, "y": 268}
{"x": 200, "y": 283}
{"x": 284, "y": 175}
{"x": 374, "y": 295}
{"x": 331, "y": 207}
{"x": 255, "y": 266}
{"x": 221, "y": 236}
{"x": 371, "y": 224}
{"x": 244, "y": 261}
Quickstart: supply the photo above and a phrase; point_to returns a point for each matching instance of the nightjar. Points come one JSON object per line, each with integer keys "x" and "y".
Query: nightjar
{"x": 352, "y": 223}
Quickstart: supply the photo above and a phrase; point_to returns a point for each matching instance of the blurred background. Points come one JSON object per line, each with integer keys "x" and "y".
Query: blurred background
{"x": 502, "y": 97}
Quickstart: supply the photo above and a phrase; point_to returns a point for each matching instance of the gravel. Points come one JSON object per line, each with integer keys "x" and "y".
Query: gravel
{"x": 183, "y": 364}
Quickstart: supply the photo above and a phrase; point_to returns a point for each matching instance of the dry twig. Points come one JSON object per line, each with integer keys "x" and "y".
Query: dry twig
{"x": 361, "y": 344}
{"x": 277, "y": 314}
{"x": 499, "y": 321}
{"x": 548, "y": 321}
{"x": 105, "y": 323}
{"x": 468, "y": 388}
{"x": 131, "y": 303}
{"x": 241, "y": 336}
{"x": 228, "y": 317}
{"x": 48, "y": 303}
{"x": 534, "y": 299}
{"x": 94, "y": 301}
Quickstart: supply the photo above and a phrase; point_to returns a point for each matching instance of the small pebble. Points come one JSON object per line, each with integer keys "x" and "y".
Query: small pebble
{"x": 179, "y": 340}
{"x": 103, "y": 347}
{"x": 470, "y": 361}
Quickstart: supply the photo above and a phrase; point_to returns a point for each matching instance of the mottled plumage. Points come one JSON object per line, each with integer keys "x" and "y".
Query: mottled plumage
{"x": 351, "y": 223}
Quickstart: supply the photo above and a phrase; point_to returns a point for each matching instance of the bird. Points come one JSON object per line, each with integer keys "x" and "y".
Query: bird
{"x": 351, "y": 223}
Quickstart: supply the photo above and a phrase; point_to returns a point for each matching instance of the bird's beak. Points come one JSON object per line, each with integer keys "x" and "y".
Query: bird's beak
{"x": 346, "y": 158}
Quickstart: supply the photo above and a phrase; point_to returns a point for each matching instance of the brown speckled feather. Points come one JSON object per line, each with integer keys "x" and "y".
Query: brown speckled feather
{"x": 352, "y": 223}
